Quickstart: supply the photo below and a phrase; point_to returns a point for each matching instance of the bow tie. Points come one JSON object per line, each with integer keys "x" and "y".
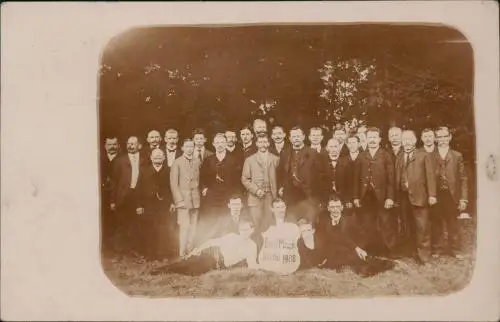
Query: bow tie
{"x": 171, "y": 151}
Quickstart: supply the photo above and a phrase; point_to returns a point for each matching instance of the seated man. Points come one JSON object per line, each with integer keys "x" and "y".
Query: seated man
{"x": 221, "y": 224}
{"x": 218, "y": 253}
{"x": 333, "y": 248}
{"x": 278, "y": 251}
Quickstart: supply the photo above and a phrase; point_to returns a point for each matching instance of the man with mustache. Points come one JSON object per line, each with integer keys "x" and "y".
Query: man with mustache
{"x": 248, "y": 147}
{"x": 316, "y": 137}
{"x": 279, "y": 144}
{"x": 452, "y": 195}
{"x": 259, "y": 179}
{"x": 123, "y": 197}
{"x": 184, "y": 183}
{"x": 297, "y": 177}
{"x": 172, "y": 151}
{"x": 374, "y": 195}
{"x": 108, "y": 159}
{"x": 154, "y": 141}
{"x": 416, "y": 190}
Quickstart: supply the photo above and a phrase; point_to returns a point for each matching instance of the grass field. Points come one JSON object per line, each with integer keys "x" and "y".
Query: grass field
{"x": 445, "y": 275}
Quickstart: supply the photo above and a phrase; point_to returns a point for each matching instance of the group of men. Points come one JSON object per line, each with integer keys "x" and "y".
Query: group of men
{"x": 167, "y": 198}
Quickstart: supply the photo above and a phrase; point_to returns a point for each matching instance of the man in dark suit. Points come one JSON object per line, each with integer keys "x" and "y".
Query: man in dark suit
{"x": 218, "y": 178}
{"x": 340, "y": 134}
{"x": 108, "y": 159}
{"x": 316, "y": 139}
{"x": 428, "y": 140}
{"x": 416, "y": 191}
{"x": 452, "y": 195}
{"x": 395, "y": 146}
{"x": 232, "y": 141}
{"x": 123, "y": 197}
{"x": 363, "y": 144}
{"x": 279, "y": 144}
{"x": 153, "y": 208}
{"x": 248, "y": 147}
{"x": 374, "y": 194}
{"x": 395, "y": 149}
{"x": 172, "y": 151}
{"x": 200, "y": 138}
{"x": 334, "y": 248}
{"x": 296, "y": 177}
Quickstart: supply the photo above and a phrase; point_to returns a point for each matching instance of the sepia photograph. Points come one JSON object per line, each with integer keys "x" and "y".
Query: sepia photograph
{"x": 250, "y": 161}
{"x": 288, "y": 160}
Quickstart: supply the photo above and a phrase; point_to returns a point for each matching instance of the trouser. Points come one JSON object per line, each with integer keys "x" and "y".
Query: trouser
{"x": 125, "y": 224}
{"x": 340, "y": 257}
{"x": 261, "y": 213}
{"x": 445, "y": 216}
{"x": 378, "y": 224}
{"x": 209, "y": 259}
{"x": 187, "y": 220}
{"x": 416, "y": 228}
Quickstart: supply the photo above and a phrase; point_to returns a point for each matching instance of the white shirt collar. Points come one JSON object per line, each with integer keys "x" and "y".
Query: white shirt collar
{"x": 112, "y": 156}
{"x": 171, "y": 150}
{"x": 157, "y": 168}
{"x": 231, "y": 149}
{"x": 354, "y": 155}
{"x": 335, "y": 222}
{"x": 373, "y": 151}
{"x": 133, "y": 156}
{"x": 429, "y": 149}
{"x": 279, "y": 146}
{"x": 247, "y": 145}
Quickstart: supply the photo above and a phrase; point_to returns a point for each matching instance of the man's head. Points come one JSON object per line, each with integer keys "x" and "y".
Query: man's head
{"x": 219, "y": 143}
{"x": 171, "y": 138}
{"x": 278, "y": 134}
{"x": 245, "y": 227}
{"x": 315, "y": 135}
{"x": 259, "y": 126}
{"x": 235, "y": 205}
{"x": 199, "y": 138}
{"x": 353, "y": 143}
{"x": 246, "y": 135}
{"x": 335, "y": 207}
{"x": 395, "y": 136}
{"x": 340, "y": 134}
{"x": 188, "y": 147}
{"x": 373, "y": 137}
{"x": 333, "y": 148}
{"x": 443, "y": 137}
{"x": 133, "y": 144}
{"x": 278, "y": 207}
{"x": 231, "y": 138}
{"x": 428, "y": 138}
{"x": 297, "y": 137}
{"x": 409, "y": 140}
{"x": 262, "y": 142}
{"x": 154, "y": 139}
{"x": 111, "y": 145}
{"x": 157, "y": 157}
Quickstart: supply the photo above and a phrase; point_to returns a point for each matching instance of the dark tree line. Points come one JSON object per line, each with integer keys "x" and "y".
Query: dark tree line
{"x": 410, "y": 76}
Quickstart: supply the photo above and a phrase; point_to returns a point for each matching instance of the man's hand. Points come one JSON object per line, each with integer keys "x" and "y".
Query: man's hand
{"x": 357, "y": 204}
{"x": 462, "y": 205}
{"x": 204, "y": 192}
{"x": 280, "y": 192}
{"x": 112, "y": 207}
{"x": 432, "y": 201}
{"x": 361, "y": 253}
{"x": 172, "y": 208}
{"x": 260, "y": 193}
{"x": 139, "y": 211}
{"x": 388, "y": 203}
{"x": 180, "y": 204}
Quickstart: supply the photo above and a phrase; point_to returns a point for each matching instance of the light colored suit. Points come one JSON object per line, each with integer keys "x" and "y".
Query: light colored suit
{"x": 184, "y": 183}
{"x": 260, "y": 173}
